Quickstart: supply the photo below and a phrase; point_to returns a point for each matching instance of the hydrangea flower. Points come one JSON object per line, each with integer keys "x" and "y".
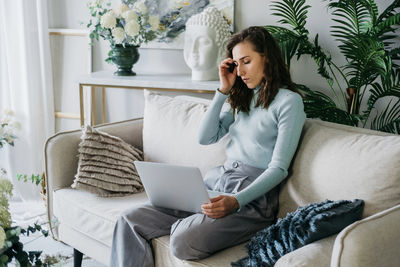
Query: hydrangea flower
{"x": 140, "y": 7}
{"x": 132, "y": 28}
{"x": 108, "y": 20}
{"x": 120, "y": 9}
{"x": 130, "y": 15}
{"x": 119, "y": 34}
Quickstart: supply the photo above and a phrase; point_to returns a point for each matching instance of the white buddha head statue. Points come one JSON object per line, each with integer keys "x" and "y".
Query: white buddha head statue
{"x": 206, "y": 36}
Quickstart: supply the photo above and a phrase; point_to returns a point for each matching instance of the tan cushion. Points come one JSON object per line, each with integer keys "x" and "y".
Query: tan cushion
{"x": 170, "y": 133}
{"x": 338, "y": 162}
{"x": 106, "y": 165}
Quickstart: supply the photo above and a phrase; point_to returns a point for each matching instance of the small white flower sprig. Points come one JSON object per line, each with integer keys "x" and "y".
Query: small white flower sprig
{"x": 8, "y": 127}
{"x": 123, "y": 24}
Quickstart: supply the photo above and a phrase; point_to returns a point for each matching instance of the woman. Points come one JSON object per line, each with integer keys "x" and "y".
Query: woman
{"x": 264, "y": 125}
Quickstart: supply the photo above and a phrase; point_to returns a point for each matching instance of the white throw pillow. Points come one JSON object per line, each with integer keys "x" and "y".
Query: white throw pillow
{"x": 170, "y": 132}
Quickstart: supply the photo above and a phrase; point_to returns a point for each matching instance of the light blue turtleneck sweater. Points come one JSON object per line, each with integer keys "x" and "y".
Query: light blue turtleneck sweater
{"x": 264, "y": 138}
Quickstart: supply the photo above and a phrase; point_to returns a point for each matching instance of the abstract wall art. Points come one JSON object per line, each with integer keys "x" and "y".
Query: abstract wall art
{"x": 173, "y": 15}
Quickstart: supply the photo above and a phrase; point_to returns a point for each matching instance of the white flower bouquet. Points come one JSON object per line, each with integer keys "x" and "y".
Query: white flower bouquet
{"x": 8, "y": 126}
{"x": 123, "y": 24}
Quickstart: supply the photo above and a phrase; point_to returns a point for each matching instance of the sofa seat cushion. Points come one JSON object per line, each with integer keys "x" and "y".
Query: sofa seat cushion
{"x": 96, "y": 217}
{"x": 93, "y": 215}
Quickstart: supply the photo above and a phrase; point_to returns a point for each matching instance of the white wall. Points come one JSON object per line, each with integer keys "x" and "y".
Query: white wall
{"x": 125, "y": 104}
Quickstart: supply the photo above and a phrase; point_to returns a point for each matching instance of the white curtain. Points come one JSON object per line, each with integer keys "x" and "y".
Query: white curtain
{"x": 26, "y": 88}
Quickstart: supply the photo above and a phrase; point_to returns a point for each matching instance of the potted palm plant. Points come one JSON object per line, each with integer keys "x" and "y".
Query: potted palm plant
{"x": 367, "y": 40}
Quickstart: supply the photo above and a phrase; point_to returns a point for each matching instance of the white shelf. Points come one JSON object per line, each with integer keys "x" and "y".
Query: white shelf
{"x": 142, "y": 80}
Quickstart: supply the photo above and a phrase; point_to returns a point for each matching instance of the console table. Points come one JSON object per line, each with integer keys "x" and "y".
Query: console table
{"x": 160, "y": 82}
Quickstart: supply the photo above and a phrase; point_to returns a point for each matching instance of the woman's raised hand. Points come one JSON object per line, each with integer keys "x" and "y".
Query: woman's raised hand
{"x": 226, "y": 78}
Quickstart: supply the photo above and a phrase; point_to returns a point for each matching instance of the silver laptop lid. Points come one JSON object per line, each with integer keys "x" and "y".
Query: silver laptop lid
{"x": 172, "y": 186}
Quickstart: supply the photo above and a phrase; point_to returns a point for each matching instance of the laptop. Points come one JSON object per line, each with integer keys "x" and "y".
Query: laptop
{"x": 173, "y": 186}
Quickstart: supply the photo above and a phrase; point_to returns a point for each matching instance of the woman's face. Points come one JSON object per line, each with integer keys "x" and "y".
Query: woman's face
{"x": 250, "y": 64}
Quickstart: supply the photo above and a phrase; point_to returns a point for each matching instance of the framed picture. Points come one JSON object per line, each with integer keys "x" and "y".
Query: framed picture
{"x": 174, "y": 14}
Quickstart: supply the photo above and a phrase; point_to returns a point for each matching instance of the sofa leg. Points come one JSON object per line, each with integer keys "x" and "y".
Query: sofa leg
{"x": 77, "y": 258}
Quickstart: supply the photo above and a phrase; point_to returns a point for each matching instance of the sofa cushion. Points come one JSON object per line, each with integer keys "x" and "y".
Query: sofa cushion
{"x": 318, "y": 253}
{"x": 340, "y": 162}
{"x": 106, "y": 165}
{"x": 170, "y": 133}
{"x": 96, "y": 217}
{"x": 93, "y": 215}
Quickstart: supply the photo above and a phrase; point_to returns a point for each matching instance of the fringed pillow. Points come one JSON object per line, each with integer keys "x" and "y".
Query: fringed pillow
{"x": 304, "y": 226}
{"x": 106, "y": 165}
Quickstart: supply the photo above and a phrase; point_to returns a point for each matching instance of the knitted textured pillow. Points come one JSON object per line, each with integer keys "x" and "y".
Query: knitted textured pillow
{"x": 306, "y": 225}
{"x": 106, "y": 165}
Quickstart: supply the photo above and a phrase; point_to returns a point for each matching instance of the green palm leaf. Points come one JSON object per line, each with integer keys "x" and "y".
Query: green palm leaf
{"x": 320, "y": 57}
{"x": 352, "y": 14}
{"x": 386, "y": 25}
{"x": 287, "y": 40}
{"x": 319, "y": 105}
{"x": 389, "y": 11}
{"x": 293, "y": 13}
{"x": 372, "y": 8}
{"x": 366, "y": 60}
{"x": 388, "y": 120}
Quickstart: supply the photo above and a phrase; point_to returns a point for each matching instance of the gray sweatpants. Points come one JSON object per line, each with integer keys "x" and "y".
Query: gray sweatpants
{"x": 193, "y": 235}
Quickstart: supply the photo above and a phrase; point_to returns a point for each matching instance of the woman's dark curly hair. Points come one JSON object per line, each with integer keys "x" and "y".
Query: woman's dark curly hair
{"x": 276, "y": 73}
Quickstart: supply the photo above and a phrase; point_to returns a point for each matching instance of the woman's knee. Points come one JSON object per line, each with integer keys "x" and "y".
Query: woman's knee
{"x": 131, "y": 219}
{"x": 185, "y": 244}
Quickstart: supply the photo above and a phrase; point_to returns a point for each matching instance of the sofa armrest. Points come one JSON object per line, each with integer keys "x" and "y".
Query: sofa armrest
{"x": 373, "y": 241}
{"x": 61, "y": 155}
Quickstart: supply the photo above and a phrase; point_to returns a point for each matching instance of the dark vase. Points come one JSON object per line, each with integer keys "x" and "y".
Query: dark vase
{"x": 124, "y": 58}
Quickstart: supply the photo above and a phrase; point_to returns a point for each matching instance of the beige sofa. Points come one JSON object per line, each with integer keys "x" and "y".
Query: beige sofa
{"x": 332, "y": 162}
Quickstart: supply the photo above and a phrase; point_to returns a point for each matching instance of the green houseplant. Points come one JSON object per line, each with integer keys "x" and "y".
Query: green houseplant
{"x": 11, "y": 246}
{"x": 371, "y": 73}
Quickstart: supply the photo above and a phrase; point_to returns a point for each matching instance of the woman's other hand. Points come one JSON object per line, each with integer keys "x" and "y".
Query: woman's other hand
{"x": 226, "y": 78}
{"x": 220, "y": 206}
